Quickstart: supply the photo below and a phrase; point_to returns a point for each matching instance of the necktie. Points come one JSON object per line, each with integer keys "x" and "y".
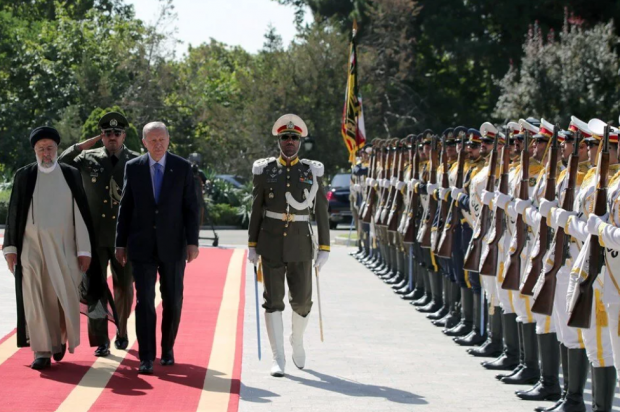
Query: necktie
{"x": 114, "y": 160}
{"x": 158, "y": 175}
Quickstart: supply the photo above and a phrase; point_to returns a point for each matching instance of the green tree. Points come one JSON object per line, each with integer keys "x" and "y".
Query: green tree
{"x": 564, "y": 77}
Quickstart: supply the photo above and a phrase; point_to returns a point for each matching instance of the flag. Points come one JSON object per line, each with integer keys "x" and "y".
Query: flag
{"x": 353, "y": 130}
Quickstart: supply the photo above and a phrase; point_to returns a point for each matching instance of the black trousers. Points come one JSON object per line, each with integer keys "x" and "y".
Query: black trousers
{"x": 123, "y": 298}
{"x": 171, "y": 289}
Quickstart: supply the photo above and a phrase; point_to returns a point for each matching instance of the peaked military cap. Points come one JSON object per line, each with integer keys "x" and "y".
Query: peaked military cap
{"x": 290, "y": 123}
{"x": 474, "y": 136}
{"x": 460, "y": 134}
{"x": 44, "y": 132}
{"x": 113, "y": 120}
{"x": 577, "y": 124}
{"x": 598, "y": 130}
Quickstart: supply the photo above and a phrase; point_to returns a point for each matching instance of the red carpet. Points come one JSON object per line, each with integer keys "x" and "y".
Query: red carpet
{"x": 176, "y": 388}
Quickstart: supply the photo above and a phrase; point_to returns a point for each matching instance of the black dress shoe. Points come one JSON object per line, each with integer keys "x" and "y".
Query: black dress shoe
{"x": 516, "y": 370}
{"x": 121, "y": 343}
{"x": 395, "y": 280}
{"x": 461, "y": 329}
{"x": 413, "y": 295}
{"x": 404, "y": 290}
{"x": 502, "y": 363}
{"x": 526, "y": 376}
{"x": 443, "y": 311}
{"x": 402, "y": 284}
{"x": 41, "y": 363}
{"x": 474, "y": 338}
{"x": 58, "y": 356}
{"x": 146, "y": 367}
{"x": 433, "y": 306}
{"x": 543, "y": 391}
{"x": 167, "y": 358}
{"x": 103, "y": 350}
{"x": 423, "y": 301}
{"x": 491, "y": 348}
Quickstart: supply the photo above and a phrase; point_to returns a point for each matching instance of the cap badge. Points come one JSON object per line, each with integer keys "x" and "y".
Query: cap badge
{"x": 113, "y": 123}
{"x": 290, "y": 125}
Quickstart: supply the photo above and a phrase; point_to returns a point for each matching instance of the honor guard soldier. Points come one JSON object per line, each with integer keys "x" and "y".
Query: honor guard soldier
{"x": 286, "y": 191}
{"x": 102, "y": 172}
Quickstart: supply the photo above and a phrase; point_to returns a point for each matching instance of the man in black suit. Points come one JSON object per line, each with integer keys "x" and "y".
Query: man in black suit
{"x": 157, "y": 231}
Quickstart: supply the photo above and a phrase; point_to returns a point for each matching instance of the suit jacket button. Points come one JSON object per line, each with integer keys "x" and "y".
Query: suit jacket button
{"x": 157, "y": 211}
{"x": 154, "y": 227}
{"x": 103, "y": 215}
{"x": 284, "y": 233}
{"x": 113, "y": 217}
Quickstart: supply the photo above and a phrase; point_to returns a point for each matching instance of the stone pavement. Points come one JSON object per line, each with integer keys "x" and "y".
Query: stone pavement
{"x": 379, "y": 354}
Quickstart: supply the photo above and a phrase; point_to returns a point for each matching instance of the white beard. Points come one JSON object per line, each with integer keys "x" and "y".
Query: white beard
{"x": 46, "y": 167}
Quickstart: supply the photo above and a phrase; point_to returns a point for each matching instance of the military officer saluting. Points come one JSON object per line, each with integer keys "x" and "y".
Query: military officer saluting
{"x": 102, "y": 174}
{"x": 286, "y": 191}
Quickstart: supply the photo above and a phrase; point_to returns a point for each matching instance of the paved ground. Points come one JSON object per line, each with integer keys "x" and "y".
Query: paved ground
{"x": 379, "y": 354}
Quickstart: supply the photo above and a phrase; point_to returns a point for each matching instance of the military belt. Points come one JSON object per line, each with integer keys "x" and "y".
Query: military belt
{"x": 287, "y": 217}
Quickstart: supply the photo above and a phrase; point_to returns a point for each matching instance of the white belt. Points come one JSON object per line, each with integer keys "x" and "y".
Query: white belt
{"x": 287, "y": 217}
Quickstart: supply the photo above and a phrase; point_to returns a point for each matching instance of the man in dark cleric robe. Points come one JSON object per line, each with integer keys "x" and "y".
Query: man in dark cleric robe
{"x": 286, "y": 191}
{"x": 47, "y": 244}
{"x": 103, "y": 170}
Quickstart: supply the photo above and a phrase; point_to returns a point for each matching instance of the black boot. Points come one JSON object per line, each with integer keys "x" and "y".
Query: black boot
{"x": 530, "y": 373}
{"x": 475, "y": 337}
{"x": 445, "y": 308}
{"x": 437, "y": 302}
{"x": 548, "y": 388}
{"x": 492, "y": 347}
{"x": 603, "y": 388}
{"x": 521, "y": 351}
{"x": 428, "y": 293}
{"x": 467, "y": 317}
{"x": 578, "y": 366}
{"x": 509, "y": 359}
{"x": 454, "y": 315}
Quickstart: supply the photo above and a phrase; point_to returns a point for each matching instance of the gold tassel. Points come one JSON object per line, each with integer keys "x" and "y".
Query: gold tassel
{"x": 259, "y": 272}
{"x": 601, "y": 313}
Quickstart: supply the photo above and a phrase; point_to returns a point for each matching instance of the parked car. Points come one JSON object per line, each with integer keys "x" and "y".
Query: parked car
{"x": 338, "y": 198}
{"x": 236, "y": 181}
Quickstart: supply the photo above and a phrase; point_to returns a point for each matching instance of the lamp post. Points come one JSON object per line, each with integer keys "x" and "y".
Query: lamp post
{"x": 308, "y": 144}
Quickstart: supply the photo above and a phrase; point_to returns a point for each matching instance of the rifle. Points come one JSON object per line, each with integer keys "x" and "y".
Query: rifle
{"x": 414, "y": 202}
{"x": 579, "y": 315}
{"x": 447, "y": 235}
{"x": 425, "y": 237}
{"x": 512, "y": 280}
{"x": 397, "y": 202}
{"x": 472, "y": 257}
{"x": 390, "y": 190}
{"x": 489, "y": 264}
{"x": 445, "y": 204}
{"x": 543, "y": 232}
{"x": 543, "y": 302}
{"x": 385, "y": 163}
{"x": 368, "y": 189}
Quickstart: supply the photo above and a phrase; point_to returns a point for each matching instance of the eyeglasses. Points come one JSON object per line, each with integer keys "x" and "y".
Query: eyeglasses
{"x": 110, "y": 132}
{"x": 511, "y": 142}
{"x": 474, "y": 146}
{"x": 286, "y": 137}
{"x": 590, "y": 143}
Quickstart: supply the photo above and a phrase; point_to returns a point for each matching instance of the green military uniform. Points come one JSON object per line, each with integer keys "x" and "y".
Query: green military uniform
{"x": 286, "y": 193}
{"x": 285, "y": 247}
{"x": 103, "y": 185}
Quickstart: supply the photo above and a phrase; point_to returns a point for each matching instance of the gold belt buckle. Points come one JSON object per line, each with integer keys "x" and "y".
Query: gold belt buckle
{"x": 288, "y": 217}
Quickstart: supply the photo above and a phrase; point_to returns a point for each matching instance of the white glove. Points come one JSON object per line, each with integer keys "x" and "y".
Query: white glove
{"x": 522, "y": 204}
{"x": 321, "y": 259}
{"x": 443, "y": 193}
{"x": 400, "y": 185}
{"x": 487, "y": 197}
{"x": 368, "y": 180}
{"x": 562, "y": 217}
{"x": 456, "y": 192}
{"x": 252, "y": 255}
{"x": 594, "y": 222}
{"x": 546, "y": 205}
{"x": 430, "y": 188}
{"x": 386, "y": 183}
{"x": 393, "y": 181}
{"x": 501, "y": 200}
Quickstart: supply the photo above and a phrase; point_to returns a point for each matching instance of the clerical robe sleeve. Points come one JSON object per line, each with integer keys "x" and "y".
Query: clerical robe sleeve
{"x": 82, "y": 239}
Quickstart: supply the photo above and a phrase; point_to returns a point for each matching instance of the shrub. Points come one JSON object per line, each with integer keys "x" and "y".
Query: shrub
{"x": 223, "y": 214}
